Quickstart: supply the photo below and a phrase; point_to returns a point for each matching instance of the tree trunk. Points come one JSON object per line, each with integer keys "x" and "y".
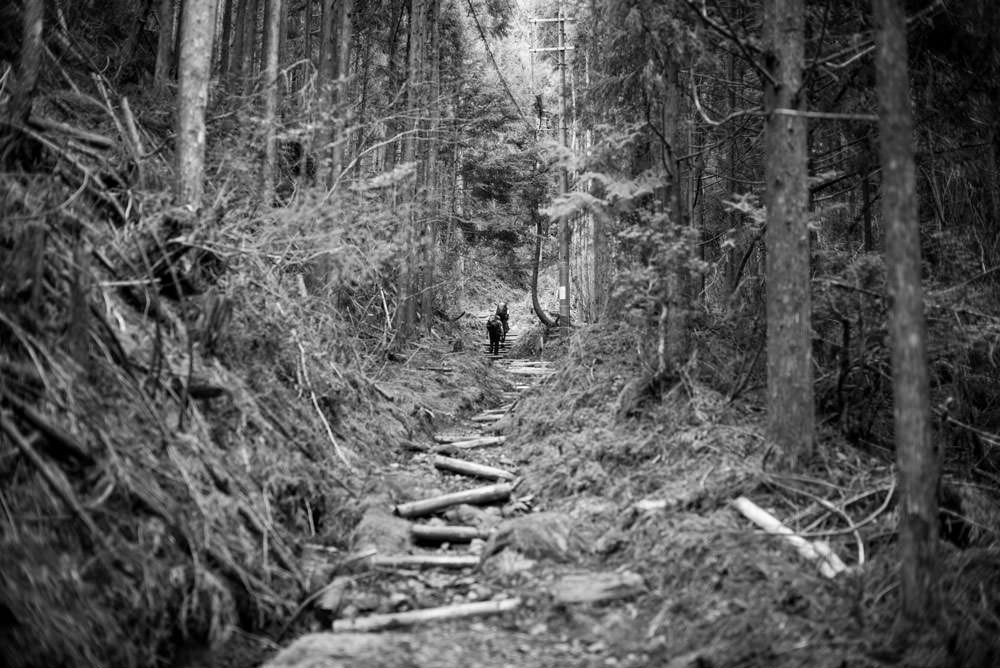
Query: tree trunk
{"x": 673, "y": 333}
{"x": 197, "y": 31}
{"x": 179, "y": 20}
{"x": 431, "y": 181}
{"x": 249, "y": 46}
{"x": 307, "y": 28}
{"x": 227, "y": 35}
{"x": 164, "y": 44}
{"x": 540, "y": 231}
{"x": 29, "y": 60}
{"x": 790, "y": 422}
{"x": 236, "y": 57}
{"x": 325, "y": 74}
{"x": 393, "y": 124}
{"x": 132, "y": 39}
{"x": 283, "y": 39}
{"x": 916, "y": 457}
{"x": 414, "y": 104}
{"x": 366, "y": 62}
{"x": 272, "y": 30}
{"x": 345, "y": 25}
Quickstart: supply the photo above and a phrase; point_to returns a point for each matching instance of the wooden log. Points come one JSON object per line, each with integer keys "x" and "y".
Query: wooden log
{"x": 471, "y": 468}
{"x": 481, "y": 418}
{"x": 477, "y": 496}
{"x": 830, "y": 564}
{"x": 425, "y": 560}
{"x": 481, "y": 442}
{"x": 530, "y": 371}
{"x": 447, "y": 533}
{"x": 443, "y": 438}
{"x": 391, "y": 620}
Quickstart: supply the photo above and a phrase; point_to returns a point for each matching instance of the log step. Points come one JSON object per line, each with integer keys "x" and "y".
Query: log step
{"x": 446, "y": 533}
{"x": 479, "y": 495}
{"x": 471, "y": 468}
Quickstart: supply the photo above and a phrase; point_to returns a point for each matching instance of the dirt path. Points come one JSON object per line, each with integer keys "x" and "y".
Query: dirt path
{"x": 595, "y": 541}
{"x": 459, "y": 584}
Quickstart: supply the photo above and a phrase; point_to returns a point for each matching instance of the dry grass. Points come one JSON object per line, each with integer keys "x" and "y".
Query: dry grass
{"x": 715, "y": 585}
{"x": 221, "y": 428}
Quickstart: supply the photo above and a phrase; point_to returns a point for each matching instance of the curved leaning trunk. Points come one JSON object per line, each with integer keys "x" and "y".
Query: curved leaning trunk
{"x": 535, "y": 305}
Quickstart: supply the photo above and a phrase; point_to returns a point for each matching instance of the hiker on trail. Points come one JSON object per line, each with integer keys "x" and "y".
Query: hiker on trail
{"x": 494, "y": 328}
{"x": 504, "y": 316}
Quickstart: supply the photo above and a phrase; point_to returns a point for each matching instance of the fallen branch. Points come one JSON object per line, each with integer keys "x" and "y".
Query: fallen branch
{"x": 483, "y": 418}
{"x": 478, "y": 496}
{"x": 91, "y": 138}
{"x": 471, "y": 468}
{"x": 319, "y": 411}
{"x": 391, "y": 620}
{"x": 829, "y": 563}
{"x": 425, "y": 561}
{"x": 57, "y": 481}
{"x": 447, "y": 533}
{"x": 58, "y": 443}
{"x": 481, "y": 442}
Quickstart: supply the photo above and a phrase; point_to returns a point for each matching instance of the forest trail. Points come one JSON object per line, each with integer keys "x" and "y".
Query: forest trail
{"x": 424, "y": 584}
{"x": 470, "y": 555}
{"x": 518, "y": 537}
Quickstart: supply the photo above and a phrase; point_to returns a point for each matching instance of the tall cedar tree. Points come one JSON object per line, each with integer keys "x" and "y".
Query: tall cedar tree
{"x": 197, "y": 30}
{"x": 915, "y": 454}
{"x": 789, "y": 364}
{"x": 272, "y": 27}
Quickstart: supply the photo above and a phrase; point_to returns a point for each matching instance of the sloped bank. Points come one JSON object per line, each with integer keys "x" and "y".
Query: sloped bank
{"x": 165, "y": 461}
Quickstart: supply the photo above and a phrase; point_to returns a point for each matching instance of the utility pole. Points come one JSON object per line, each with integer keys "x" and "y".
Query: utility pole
{"x": 564, "y": 223}
{"x": 564, "y": 228}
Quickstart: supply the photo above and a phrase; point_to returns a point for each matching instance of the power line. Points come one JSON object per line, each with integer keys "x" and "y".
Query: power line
{"x": 496, "y": 67}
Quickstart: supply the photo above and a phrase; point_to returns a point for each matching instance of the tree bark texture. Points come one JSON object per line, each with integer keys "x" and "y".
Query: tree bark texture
{"x": 249, "y": 54}
{"x": 409, "y": 281}
{"x": 29, "y": 60}
{"x": 325, "y": 75}
{"x": 226, "y": 37}
{"x": 283, "y": 36}
{"x": 396, "y": 77}
{"x": 178, "y": 21}
{"x": 916, "y": 456}
{"x": 272, "y": 29}
{"x": 239, "y": 45}
{"x": 431, "y": 181}
{"x": 674, "y": 341}
{"x": 342, "y": 69}
{"x": 164, "y": 44}
{"x": 790, "y": 421}
{"x": 192, "y": 96}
